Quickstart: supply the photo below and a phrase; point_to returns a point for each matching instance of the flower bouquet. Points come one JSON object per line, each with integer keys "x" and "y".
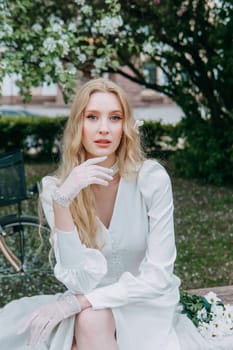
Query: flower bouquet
{"x": 212, "y": 318}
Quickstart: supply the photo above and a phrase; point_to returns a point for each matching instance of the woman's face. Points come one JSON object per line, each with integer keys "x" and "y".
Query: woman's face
{"x": 102, "y": 125}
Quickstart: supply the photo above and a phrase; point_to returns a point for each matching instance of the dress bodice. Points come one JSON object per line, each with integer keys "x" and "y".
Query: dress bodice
{"x": 124, "y": 242}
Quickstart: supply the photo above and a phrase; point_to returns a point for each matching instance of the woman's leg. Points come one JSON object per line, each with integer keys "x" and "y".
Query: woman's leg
{"x": 95, "y": 330}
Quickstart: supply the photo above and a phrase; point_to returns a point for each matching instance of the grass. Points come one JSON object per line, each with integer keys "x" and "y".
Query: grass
{"x": 204, "y": 235}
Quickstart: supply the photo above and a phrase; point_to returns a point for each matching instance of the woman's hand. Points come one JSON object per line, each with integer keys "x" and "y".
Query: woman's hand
{"x": 81, "y": 176}
{"x": 42, "y": 321}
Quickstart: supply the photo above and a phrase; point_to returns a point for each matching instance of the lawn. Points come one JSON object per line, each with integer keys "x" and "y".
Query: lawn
{"x": 204, "y": 236}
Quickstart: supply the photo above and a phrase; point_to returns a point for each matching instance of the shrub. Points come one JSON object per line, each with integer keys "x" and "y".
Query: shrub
{"x": 42, "y": 135}
{"x": 36, "y": 136}
{"x": 209, "y": 152}
{"x": 194, "y": 147}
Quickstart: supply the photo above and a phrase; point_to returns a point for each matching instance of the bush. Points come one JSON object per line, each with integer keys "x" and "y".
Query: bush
{"x": 208, "y": 154}
{"x": 195, "y": 148}
{"x": 35, "y": 136}
{"x": 41, "y": 136}
{"x": 158, "y": 139}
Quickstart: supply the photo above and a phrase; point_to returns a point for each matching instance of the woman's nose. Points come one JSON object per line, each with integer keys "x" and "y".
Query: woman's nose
{"x": 104, "y": 129}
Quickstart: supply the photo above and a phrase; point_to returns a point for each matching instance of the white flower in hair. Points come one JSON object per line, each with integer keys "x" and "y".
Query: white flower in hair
{"x": 137, "y": 125}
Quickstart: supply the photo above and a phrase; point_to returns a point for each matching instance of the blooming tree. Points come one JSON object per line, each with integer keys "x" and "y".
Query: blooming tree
{"x": 189, "y": 40}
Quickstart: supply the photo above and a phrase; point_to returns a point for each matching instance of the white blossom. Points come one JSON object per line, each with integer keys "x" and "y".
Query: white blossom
{"x": 108, "y": 25}
{"x": 7, "y": 30}
{"x": 34, "y": 58}
{"x": 58, "y": 65}
{"x": 228, "y": 312}
{"x": 81, "y": 56}
{"x": 29, "y": 47}
{"x": 126, "y": 31}
{"x": 54, "y": 19}
{"x": 66, "y": 48}
{"x": 220, "y": 321}
{"x": 181, "y": 143}
{"x": 49, "y": 44}
{"x": 212, "y": 298}
{"x": 72, "y": 27}
{"x": 99, "y": 63}
{"x": 56, "y": 27}
{"x": 42, "y": 64}
{"x": 165, "y": 142}
{"x": 80, "y": 2}
{"x": 37, "y": 28}
{"x": 87, "y": 10}
{"x": 217, "y": 310}
{"x": 63, "y": 42}
{"x": 148, "y": 48}
{"x": 202, "y": 314}
{"x": 143, "y": 30}
{"x": 128, "y": 28}
{"x": 137, "y": 125}
{"x": 48, "y": 79}
{"x": 71, "y": 70}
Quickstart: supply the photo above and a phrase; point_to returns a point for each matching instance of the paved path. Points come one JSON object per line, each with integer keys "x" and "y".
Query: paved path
{"x": 169, "y": 114}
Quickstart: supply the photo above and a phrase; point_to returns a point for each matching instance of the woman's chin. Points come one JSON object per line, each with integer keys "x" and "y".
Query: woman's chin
{"x": 99, "y": 153}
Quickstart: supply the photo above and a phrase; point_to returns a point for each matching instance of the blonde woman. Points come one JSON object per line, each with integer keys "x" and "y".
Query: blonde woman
{"x": 111, "y": 218}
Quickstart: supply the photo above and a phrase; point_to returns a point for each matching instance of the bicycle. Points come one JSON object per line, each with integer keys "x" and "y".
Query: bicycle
{"x": 24, "y": 241}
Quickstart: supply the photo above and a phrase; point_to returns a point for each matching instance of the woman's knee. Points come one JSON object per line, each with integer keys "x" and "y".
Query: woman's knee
{"x": 95, "y": 322}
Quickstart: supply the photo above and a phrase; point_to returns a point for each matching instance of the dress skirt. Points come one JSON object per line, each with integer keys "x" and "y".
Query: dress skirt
{"x": 130, "y": 330}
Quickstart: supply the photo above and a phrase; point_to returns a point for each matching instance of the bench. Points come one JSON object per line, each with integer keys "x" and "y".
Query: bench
{"x": 225, "y": 293}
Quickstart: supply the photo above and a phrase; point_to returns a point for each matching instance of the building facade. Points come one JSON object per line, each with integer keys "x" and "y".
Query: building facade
{"x": 51, "y": 95}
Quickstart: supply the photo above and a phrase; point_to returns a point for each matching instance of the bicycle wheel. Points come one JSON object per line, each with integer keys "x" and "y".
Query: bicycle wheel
{"x": 27, "y": 243}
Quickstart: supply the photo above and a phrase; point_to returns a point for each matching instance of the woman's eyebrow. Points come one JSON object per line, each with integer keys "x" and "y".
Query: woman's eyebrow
{"x": 97, "y": 111}
{"x": 117, "y": 111}
{"x": 91, "y": 111}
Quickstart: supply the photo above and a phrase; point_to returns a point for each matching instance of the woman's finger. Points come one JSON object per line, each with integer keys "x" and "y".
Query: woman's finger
{"x": 26, "y": 323}
{"x": 98, "y": 181}
{"x": 37, "y": 330}
{"x": 102, "y": 175}
{"x": 103, "y": 169}
{"x": 46, "y": 332}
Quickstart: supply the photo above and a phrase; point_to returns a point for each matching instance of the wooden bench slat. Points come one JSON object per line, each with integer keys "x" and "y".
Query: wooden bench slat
{"x": 225, "y": 293}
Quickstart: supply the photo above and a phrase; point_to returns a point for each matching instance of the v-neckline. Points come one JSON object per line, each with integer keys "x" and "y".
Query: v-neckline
{"x": 114, "y": 208}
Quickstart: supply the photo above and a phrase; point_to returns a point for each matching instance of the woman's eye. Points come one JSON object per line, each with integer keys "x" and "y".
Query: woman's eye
{"x": 115, "y": 117}
{"x": 91, "y": 117}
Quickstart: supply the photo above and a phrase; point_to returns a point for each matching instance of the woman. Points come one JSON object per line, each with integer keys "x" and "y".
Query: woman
{"x": 111, "y": 217}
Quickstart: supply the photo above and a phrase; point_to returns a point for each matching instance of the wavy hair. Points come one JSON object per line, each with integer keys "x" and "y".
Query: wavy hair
{"x": 129, "y": 153}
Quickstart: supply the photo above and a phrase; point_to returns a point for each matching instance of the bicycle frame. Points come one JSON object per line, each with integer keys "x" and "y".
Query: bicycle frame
{"x": 9, "y": 255}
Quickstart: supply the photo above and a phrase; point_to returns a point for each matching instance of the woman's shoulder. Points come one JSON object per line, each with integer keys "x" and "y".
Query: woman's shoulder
{"x": 152, "y": 170}
{"x": 153, "y": 180}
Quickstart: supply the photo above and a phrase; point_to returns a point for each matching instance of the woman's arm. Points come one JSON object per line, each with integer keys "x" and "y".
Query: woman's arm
{"x": 63, "y": 220}
{"x": 79, "y": 268}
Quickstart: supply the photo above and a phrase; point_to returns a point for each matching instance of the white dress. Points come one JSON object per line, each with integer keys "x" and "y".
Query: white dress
{"x": 132, "y": 275}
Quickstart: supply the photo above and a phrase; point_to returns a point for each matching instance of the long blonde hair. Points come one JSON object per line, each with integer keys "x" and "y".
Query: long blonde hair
{"x": 129, "y": 153}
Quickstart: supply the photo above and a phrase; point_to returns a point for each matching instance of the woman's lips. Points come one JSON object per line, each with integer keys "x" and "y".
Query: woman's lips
{"x": 102, "y": 142}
